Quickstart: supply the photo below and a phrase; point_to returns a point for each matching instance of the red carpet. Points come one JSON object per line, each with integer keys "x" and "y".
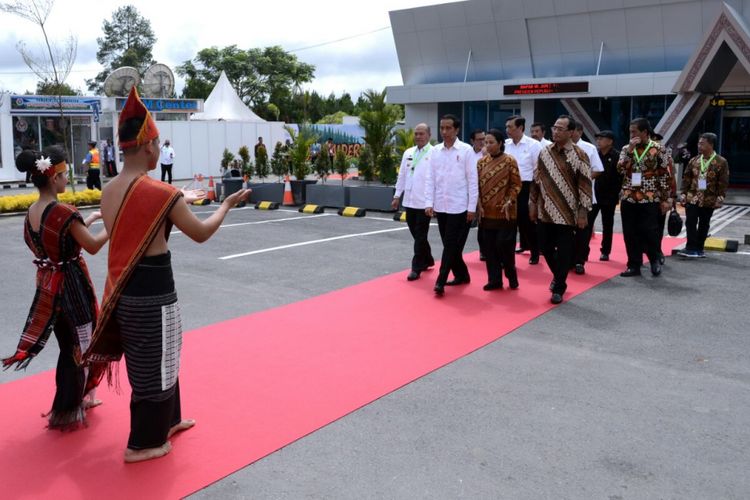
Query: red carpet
{"x": 260, "y": 382}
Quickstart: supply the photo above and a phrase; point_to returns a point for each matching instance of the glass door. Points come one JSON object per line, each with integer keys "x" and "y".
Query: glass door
{"x": 735, "y": 145}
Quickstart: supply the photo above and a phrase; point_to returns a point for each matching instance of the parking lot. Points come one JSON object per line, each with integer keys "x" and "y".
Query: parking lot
{"x": 638, "y": 388}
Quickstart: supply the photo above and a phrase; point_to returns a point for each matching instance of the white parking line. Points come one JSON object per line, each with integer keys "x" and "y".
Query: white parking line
{"x": 267, "y": 221}
{"x": 311, "y": 242}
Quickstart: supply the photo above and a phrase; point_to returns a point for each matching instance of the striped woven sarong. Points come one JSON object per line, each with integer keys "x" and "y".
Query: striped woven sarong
{"x": 148, "y": 316}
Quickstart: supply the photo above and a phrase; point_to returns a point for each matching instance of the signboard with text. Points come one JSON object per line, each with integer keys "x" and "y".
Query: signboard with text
{"x": 167, "y": 105}
{"x": 50, "y": 105}
{"x": 546, "y": 88}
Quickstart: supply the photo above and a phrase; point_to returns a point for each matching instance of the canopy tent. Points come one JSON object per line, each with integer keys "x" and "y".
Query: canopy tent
{"x": 224, "y": 104}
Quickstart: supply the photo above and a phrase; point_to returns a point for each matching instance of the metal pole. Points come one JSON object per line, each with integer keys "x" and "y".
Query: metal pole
{"x": 468, "y": 60}
{"x": 599, "y": 63}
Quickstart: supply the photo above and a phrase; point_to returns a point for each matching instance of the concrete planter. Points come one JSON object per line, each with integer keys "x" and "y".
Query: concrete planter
{"x": 267, "y": 191}
{"x": 372, "y": 197}
{"x": 328, "y": 195}
{"x": 299, "y": 191}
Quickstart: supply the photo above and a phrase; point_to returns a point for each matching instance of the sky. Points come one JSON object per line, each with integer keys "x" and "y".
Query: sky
{"x": 352, "y": 65}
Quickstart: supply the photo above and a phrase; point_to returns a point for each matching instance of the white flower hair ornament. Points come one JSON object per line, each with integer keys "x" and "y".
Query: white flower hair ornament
{"x": 43, "y": 164}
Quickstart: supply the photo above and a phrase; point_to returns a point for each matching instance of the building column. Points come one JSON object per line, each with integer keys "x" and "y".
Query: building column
{"x": 527, "y": 111}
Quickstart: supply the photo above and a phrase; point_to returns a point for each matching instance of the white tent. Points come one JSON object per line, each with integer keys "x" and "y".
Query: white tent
{"x": 224, "y": 104}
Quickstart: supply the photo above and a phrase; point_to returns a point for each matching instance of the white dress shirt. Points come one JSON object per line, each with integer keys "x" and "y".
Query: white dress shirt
{"x": 594, "y": 161}
{"x": 477, "y": 156}
{"x": 526, "y": 153}
{"x": 167, "y": 155}
{"x": 545, "y": 142}
{"x": 452, "y": 180}
{"x": 412, "y": 176}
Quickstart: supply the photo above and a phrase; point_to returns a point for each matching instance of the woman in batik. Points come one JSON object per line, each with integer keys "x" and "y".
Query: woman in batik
{"x": 64, "y": 301}
{"x": 499, "y": 185}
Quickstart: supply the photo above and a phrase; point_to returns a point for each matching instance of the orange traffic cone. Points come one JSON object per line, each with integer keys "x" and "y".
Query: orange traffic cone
{"x": 288, "y": 198}
{"x": 211, "y": 195}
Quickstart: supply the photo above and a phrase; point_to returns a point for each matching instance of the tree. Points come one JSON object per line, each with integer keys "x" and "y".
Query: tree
{"x": 365, "y": 163}
{"x": 128, "y": 41}
{"x": 323, "y": 165}
{"x": 404, "y": 140}
{"x": 300, "y": 151}
{"x": 337, "y": 117}
{"x": 387, "y": 165}
{"x": 341, "y": 164}
{"x": 55, "y": 65}
{"x": 378, "y": 122}
{"x": 47, "y": 87}
{"x": 278, "y": 162}
{"x": 259, "y": 76}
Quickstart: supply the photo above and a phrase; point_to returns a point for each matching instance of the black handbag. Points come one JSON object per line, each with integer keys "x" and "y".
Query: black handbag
{"x": 674, "y": 224}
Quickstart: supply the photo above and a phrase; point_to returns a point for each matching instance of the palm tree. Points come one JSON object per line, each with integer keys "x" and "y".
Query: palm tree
{"x": 378, "y": 121}
{"x": 404, "y": 140}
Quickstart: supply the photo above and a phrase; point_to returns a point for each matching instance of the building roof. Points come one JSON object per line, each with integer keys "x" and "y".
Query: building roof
{"x": 511, "y": 39}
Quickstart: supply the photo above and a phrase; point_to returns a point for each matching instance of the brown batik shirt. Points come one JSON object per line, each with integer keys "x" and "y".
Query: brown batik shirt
{"x": 655, "y": 167}
{"x": 717, "y": 182}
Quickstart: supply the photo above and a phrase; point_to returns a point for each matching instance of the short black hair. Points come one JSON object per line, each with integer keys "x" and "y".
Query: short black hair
{"x": 572, "y": 123}
{"x": 710, "y": 138}
{"x": 540, "y": 125}
{"x": 518, "y": 121}
{"x": 642, "y": 124}
{"x": 579, "y": 126}
{"x": 453, "y": 118}
{"x": 475, "y": 132}
{"x": 499, "y": 135}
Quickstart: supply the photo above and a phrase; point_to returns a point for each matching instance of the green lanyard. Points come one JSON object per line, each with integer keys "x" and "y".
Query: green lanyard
{"x": 704, "y": 166}
{"x": 639, "y": 159}
{"x": 418, "y": 157}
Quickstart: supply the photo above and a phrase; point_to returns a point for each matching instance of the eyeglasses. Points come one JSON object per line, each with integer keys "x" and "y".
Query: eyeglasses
{"x": 559, "y": 129}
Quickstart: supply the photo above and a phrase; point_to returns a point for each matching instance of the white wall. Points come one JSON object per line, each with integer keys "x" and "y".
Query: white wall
{"x": 199, "y": 145}
{"x": 422, "y": 113}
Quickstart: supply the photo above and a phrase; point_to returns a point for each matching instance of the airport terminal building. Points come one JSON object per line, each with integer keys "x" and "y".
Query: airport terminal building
{"x": 683, "y": 64}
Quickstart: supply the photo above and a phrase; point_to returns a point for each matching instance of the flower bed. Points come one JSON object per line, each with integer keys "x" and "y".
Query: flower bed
{"x": 21, "y": 202}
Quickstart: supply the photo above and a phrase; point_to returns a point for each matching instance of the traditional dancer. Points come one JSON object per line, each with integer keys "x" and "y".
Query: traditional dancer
{"x": 65, "y": 300}
{"x": 140, "y": 315}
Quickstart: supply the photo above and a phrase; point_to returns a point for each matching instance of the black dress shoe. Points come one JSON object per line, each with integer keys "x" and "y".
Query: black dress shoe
{"x": 534, "y": 260}
{"x": 520, "y": 250}
{"x": 439, "y": 290}
{"x": 482, "y": 257}
{"x": 580, "y": 269}
{"x": 556, "y": 298}
{"x": 456, "y": 282}
{"x": 604, "y": 257}
{"x": 627, "y": 273}
{"x": 513, "y": 284}
{"x": 492, "y": 286}
{"x": 662, "y": 260}
{"x": 655, "y": 268}
{"x": 413, "y": 276}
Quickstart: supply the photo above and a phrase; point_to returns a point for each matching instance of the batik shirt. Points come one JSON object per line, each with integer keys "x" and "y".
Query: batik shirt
{"x": 654, "y": 168}
{"x": 716, "y": 175}
{"x": 561, "y": 189}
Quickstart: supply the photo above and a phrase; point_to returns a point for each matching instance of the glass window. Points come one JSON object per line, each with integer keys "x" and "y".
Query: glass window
{"x": 499, "y": 111}
{"x": 649, "y": 107}
{"x": 475, "y": 117}
{"x": 52, "y": 130}
{"x": 610, "y": 113}
{"x": 25, "y": 133}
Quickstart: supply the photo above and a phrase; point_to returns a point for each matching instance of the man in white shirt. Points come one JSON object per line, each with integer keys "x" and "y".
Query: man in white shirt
{"x": 451, "y": 194}
{"x": 411, "y": 184}
{"x": 526, "y": 152}
{"x": 477, "y": 144}
{"x": 582, "y": 237}
{"x": 167, "y": 160}
{"x": 538, "y": 129}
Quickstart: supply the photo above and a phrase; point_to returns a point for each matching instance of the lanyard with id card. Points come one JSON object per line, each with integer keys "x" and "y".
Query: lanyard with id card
{"x": 635, "y": 178}
{"x": 704, "y": 168}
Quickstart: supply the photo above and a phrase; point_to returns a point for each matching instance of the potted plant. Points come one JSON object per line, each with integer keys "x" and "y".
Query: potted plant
{"x": 329, "y": 195}
{"x": 299, "y": 153}
{"x": 264, "y": 191}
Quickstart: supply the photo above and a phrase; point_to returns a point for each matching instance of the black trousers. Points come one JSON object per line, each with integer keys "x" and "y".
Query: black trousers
{"x": 498, "y": 248}
{"x": 419, "y": 226}
{"x": 111, "y": 169}
{"x": 640, "y": 229}
{"x": 581, "y": 240}
{"x": 608, "y": 225}
{"x": 556, "y": 244}
{"x": 93, "y": 179}
{"x": 454, "y": 230}
{"x": 166, "y": 172}
{"x": 697, "y": 223}
{"x": 527, "y": 232}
